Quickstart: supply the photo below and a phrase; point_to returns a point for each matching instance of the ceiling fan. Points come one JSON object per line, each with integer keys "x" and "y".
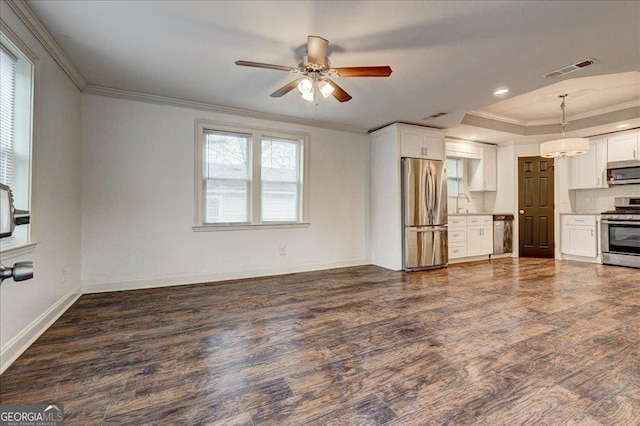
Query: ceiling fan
{"x": 316, "y": 68}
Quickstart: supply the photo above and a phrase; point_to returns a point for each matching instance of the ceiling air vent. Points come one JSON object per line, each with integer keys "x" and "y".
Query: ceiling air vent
{"x": 570, "y": 68}
{"x": 436, "y": 115}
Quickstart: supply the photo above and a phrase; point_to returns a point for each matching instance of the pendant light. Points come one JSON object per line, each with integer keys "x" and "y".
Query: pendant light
{"x": 564, "y": 147}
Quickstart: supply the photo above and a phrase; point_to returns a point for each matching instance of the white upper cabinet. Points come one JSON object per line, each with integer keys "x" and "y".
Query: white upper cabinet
{"x": 421, "y": 142}
{"x": 412, "y": 143}
{"x": 589, "y": 170}
{"x": 623, "y": 147}
{"x": 462, "y": 149}
{"x": 483, "y": 173}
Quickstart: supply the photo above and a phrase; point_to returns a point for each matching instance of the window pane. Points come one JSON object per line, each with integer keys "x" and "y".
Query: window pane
{"x": 452, "y": 187}
{"x": 280, "y": 160}
{"x": 225, "y": 201}
{"x": 279, "y": 201}
{"x": 280, "y": 173}
{"x": 226, "y": 155}
{"x": 454, "y": 167}
{"x": 7, "y": 115}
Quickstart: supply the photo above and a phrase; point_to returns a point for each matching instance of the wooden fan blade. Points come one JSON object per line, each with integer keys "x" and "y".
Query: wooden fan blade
{"x": 317, "y": 49}
{"x": 380, "y": 71}
{"x": 285, "y": 89}
{"x": 261, "y": 65}
{"x": 339, "y": 93}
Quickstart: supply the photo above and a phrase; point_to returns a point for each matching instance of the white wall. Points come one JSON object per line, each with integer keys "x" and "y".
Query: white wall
{"x": 28, "y": 307}
{"x": 138, "y": 202}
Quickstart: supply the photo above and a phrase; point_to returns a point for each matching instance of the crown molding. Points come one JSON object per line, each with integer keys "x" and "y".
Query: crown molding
{"x": 24, "y": 12}
{"x": 588, "y": 114}
{"x": 163, "y": 100}
{"x": 497, "y": 117}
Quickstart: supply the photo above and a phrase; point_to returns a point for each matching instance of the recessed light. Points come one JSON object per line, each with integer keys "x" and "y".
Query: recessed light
{"x": 501, "y": 91}
{"x": 622, "y": 126}
{"x": 472, "y": 137}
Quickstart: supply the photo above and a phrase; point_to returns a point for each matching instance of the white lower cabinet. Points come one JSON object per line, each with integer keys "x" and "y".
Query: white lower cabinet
{"x": 457, "y": 237}
{"x": 579, "y": 237}
{"x": 479, "y": 235}
{"x": 470, "y": 236}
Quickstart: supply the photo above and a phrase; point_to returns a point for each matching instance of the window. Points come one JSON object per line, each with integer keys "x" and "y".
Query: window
{"x": 455, "y": 176}
{"x": 7, "y": 106}
{"x": 226, "y": 177}
{"x": 16, "y": 127}
{"x": 248, "y": 178}
{"x": 280, "y": 175}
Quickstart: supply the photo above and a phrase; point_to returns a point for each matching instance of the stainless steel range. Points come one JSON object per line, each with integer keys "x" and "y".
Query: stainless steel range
{"x": 621, "y": 233}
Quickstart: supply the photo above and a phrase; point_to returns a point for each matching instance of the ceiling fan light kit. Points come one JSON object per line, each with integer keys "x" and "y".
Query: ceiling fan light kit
{"x": 315, "y": 67}
{"x": 305, "y": 85}
{"x": 310, "y": 95}
{"x": 325, "y": 88}
{"x": 310, "y": 86}
{"x": 564, "y": 147}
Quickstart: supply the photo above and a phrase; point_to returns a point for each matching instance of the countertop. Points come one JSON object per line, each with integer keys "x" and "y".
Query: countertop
{"x": 582, "y": 213}
{"x": 478, "y": 214}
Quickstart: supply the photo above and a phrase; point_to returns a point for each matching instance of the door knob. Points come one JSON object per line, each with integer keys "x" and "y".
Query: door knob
{"x": 521, "y": 212}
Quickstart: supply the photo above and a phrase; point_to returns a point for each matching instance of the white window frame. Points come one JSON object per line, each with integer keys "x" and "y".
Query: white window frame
{"x": 247, "y": 177}
{"x": 255, "y": 189}
{"x": 459, "y": 179}
{"x": 13, "y": 247}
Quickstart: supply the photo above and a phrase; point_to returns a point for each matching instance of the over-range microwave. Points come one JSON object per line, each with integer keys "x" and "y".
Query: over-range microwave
{"x": 623, "y": 172}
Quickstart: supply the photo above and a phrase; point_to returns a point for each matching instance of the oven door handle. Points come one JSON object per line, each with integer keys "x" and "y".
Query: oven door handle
{"x": 620, "y": 222}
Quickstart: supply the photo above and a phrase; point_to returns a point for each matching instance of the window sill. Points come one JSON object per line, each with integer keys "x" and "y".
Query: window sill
{"x": 244, "y": 226}
{"x": 13, "y": 250}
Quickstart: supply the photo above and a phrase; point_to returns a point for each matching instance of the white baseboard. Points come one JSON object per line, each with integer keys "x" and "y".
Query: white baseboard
{"x": 231, "y": 274}
{"x": 20, "y": 343}
{"x": 581, "y": 258}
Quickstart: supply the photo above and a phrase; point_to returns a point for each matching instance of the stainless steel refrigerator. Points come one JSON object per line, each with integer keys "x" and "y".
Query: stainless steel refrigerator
{"x": 424, "y": 214}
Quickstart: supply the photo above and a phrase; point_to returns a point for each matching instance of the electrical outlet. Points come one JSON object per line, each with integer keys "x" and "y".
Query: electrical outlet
{"x": 64, "y": 274}
{"x": 282, "y": 250}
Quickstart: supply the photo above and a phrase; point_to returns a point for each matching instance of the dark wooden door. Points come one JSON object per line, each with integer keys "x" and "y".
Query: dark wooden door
{"x": 535, "y": 205}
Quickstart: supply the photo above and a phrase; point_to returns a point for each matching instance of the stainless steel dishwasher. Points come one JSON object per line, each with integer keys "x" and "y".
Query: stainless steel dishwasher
{"x": 502, "y": 233}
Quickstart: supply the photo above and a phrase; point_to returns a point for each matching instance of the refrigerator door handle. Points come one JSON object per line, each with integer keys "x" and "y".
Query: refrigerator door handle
{"x": 425, "y": 185}
{"x": 429, "y": 187}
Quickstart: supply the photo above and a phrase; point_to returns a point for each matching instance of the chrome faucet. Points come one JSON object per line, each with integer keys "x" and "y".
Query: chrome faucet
{"x": 458, "y": 199}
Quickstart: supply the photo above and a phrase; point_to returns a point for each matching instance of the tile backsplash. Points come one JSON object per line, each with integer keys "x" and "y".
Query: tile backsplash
{"x": 474, "y": 205}
{"x": 601, "y": 200}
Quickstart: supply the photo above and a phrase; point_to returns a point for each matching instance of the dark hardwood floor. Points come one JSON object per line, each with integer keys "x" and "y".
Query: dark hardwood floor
{"x": 503, "y": 342}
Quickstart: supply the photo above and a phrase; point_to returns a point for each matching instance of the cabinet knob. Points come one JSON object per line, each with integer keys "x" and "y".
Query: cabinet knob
{"x": 521, "y": 212}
